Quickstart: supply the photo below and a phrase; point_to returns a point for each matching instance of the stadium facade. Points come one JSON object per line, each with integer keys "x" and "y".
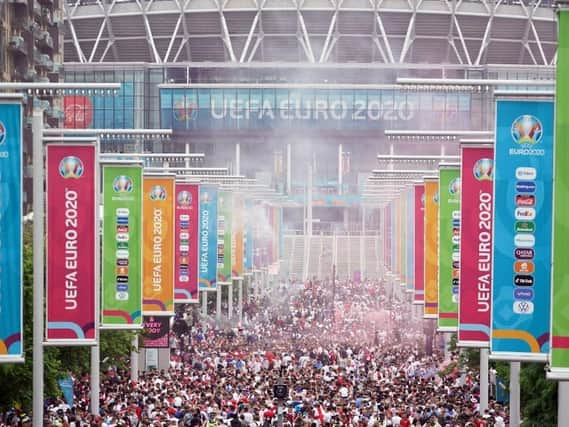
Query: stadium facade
{"x": 298, "y": 83}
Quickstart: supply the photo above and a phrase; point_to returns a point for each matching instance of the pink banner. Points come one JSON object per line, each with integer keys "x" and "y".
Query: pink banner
{"x": 186, "y": 246}
{"x": 72, "y": 212}
{"x": 475, "y": 246}
{"x": 419, "y": 248}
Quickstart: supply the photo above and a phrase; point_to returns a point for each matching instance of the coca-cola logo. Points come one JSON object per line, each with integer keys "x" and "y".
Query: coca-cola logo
{"x": 78, "y": 112}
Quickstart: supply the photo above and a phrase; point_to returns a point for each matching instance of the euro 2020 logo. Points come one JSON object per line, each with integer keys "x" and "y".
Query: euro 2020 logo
{"x": 205, "y": 199}
{"x": 454, "y": 187}
{"x": 2, "y": 133}
{"x": 123, "y": 184}
{"x": 71, "y": 167}
{"x": 527, "y": 130}
{"x": 157, "y": 193}
{"x": 184, "y": 198}
{"x": 483, "y": 170}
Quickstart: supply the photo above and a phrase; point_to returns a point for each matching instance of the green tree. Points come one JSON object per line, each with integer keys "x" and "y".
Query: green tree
{"x": 538, "y": 396}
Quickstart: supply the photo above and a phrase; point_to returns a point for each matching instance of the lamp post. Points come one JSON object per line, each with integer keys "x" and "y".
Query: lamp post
{"x": 38, "y": 232}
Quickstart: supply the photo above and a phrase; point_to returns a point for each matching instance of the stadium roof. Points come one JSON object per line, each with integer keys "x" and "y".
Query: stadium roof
{"x": 469, "y": 34}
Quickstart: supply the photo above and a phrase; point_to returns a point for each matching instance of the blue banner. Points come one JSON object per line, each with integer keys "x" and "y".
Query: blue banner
{"x": 248, "y": 237}
{"x": 66, "y": 386}
{"x": 208, "y": 238}
{"x": 11, "y": 232}
{"x": 522, "y": 230}
{"x": 307, "y": 108}
{"x": 410, "y": 240}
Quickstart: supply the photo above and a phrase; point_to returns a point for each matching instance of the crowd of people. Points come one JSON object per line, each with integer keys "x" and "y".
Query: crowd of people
{"x": 350, "y": 354}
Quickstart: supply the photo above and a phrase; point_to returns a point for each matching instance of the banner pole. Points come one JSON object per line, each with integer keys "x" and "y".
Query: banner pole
{"x": 563, "y": 399}
{"x": 515, "y": 394}
{"x": 95, "y": 378}
{"x": 230, "y": 300}
{"x": 38, "y": 262}
{"x": 218, "y": 303}
{"x": 483, "y": 379}
{"x": 240, "y": 300}
{"x": 204, "y": 303}
{"x": 134, "y": 358}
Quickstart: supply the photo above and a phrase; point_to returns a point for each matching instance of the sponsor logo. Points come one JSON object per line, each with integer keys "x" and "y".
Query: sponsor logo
{"x": 121, "y": 220}
{"x": 483, "y": 170}
{"x": 184, "y": 217}
{"x": 525, "y": 200}
{"x": 122, "y": 279}
{"x": 456, "y": 231}
{"x": 525, "y": 213}
{"x": 157, "y": 193}
{"x": 122, "y": 212}
{"x": 520, "y": 253}
{"x": 436, "y": 197}
{"x": 456, "y": 222}
{"x": 454, "y": 187}
{"x": 456, "y": 264}
{"x": 184, "y": 225}
{"x": 456, "y": 215}
{"x": 455, "y": 273}
{"x": 523, "y": 280}
{"x": 184, "y": 198}
{"x": 423, "y": 199}
{"x": 523, "y": 307}
{"x": 184, "y": 235}
{"x": 455, "y": 284}
{"x": 527, "y": 129}
{"x": 122, "y": 253}
{"x": 71, "y": 167}
{"x": 122, "y": 271}
{"x": 184, "y": 248}
{"x": 121, "y": 296}
{"x": 121, "y": 287}
{"x": 525, "y": 227}
{"x": 526, "y": 173}
{"x": 455, "y": 248}
{"x": 525, "y": 294}
{"x": 455, "y": 240}
{"x": 2, "y": 133}
{"x": 524, "y": 267}
{"x": 184, "y": 278}
{"x": 456, "y": 256}
{"x": 122, "y": 184}
{"x": 122, "y": 237}
{"x": 525, "y": 187}
{"x": 184, "y": 260}
{"x": 122, "y": 245}
{"x": 122, "y": 228}
{"x": 524, "y": 240}
{"x": 122, "y": 262}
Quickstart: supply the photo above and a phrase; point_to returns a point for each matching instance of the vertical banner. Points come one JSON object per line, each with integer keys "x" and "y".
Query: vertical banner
{"x": 431, "y": 308}
{"x": 158, "y": 245}
{"x": 449, "y": 244}
{"x": 387, "y": 238}
{"x": 186, "y": 219}
{"x": 238, "y": 228}
{"x": 559, "y": 354}
{"x": 11, "y": 282}
{"x": 419, "y": 246}
{"x": 208, "y": 238}
{"x": 248, "y": 237}
{"x": 121, "y": 294}
{"x": 72, "y": 227}
{"x": 476, "y": 200}
{"x": 402, "y": 237}
{"x": 521, "y": 293}
{"x": 225, "y": 208}
{"x": 410, "y": 240}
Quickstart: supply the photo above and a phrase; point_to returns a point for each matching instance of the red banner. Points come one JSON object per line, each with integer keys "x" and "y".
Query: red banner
{"x": 186, "y": 246}
{"x": 475, "y": 246}
{"x": 419, "y": 289}
{"x": 72, "y": 211}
